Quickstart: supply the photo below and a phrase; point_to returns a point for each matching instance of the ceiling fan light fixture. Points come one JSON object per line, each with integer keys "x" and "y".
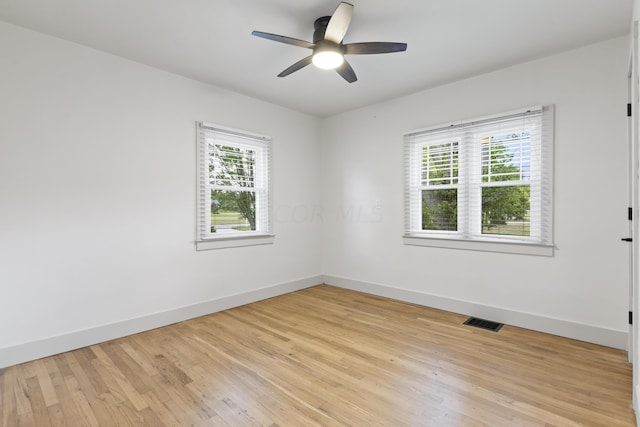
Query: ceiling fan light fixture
{"x": 328, "y": 60}
{"x": 327, "y": 55}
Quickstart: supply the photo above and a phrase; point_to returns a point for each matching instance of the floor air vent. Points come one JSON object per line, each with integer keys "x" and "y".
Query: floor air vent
{"x": 484, "y": 324}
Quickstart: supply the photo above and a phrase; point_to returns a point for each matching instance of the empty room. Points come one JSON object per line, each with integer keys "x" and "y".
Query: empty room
{"x": 322, "y": 213}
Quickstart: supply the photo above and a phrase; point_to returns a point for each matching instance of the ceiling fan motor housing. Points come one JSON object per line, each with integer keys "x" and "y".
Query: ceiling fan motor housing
{"x": 320, "y": 27}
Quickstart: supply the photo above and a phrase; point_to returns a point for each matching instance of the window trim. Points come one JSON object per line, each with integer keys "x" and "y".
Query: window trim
{"x": 235, "y": 242}
{"x": 206, "y": 241}
{"x": 484, "y": 245}
{"x": 489, "y": 243}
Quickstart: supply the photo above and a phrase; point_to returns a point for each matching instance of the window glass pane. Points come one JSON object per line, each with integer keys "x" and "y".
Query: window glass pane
{"x": 232, "y": 166}
{"x": 506, "y": 210}
{"x": 232, "y": 211}
{"x": 506, "y": 157}
{"x": 440, "y": 209}
{"x": 440, "y": 164}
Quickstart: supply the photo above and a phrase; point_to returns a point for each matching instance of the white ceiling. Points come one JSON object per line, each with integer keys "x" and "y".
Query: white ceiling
{"x": 210, "y": 40}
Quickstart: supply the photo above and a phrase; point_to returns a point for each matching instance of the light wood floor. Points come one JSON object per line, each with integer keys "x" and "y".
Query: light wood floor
{"x": 324, "y": 356}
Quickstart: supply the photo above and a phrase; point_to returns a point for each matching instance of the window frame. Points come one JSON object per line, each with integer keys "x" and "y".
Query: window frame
{"x": 208, "y": 135}
{"x": 469, "y": 234}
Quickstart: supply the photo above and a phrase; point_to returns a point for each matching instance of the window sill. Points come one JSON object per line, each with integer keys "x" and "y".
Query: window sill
{"x": 502, "y": 246}
{"x": 235, "y": 242}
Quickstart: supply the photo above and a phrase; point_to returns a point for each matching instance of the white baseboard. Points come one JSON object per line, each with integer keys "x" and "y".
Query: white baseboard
{"x": 25, "y": 352}
{"x": 564, "y": 328}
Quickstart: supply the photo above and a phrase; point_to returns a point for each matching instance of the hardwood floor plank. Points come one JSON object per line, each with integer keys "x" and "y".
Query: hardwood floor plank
{"x": 36, "y": 399}
{"x": 21, "y": 392}
{"x": 144, "y": 418}
{"x": 127, "y": 367}
{"x": 26, "y": 420}
{"x": 181, "y": 408}
{"x": 118, "y": 416}
{"x": 154, "y": 380}
{"x": 9, "y": 407}
{"x": 56, "y": 416}
{"x": 88, "y": 382}
{"x": 164, "y": 413}
{"x": 48, "y": 392}
{"x": 86, "y": 371}
{"x": 107, "y": 369}
{"x": 143, "y": 363}
{"x": 325, "y": 356}
{"x": 80, "y": 398}
{"x": 72, "y": 412}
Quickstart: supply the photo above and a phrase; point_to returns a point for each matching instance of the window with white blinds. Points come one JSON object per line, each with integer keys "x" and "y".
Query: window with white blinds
{"x": 482, "y": 184}
{"x": 233, "y": 187}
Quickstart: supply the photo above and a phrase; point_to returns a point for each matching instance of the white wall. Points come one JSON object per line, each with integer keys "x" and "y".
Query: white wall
{"x": 98, "y": 188}
{"x": 584, "y": 285}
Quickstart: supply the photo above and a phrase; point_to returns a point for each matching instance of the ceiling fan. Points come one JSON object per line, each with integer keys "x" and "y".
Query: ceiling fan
{"x": 327, "y": 46}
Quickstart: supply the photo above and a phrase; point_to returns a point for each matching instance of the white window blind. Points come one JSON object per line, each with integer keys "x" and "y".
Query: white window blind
{"x": 233, "y": 184}
{"x": 482, "y": 180}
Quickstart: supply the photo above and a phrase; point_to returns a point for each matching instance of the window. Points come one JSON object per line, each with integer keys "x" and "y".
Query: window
{"x": 233, "y": 188}
{"x": 484, "y": 184}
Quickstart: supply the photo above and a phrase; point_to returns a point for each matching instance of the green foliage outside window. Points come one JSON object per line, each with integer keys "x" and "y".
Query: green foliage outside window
{"x": 505, "y": 208}
{"x": 440, "y": 210}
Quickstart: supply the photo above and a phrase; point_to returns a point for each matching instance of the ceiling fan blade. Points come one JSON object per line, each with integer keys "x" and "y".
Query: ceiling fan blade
{"x": 373, "y": 47}
{"x": 339, "y": 23}
{"x": 283, "y": 39}
{"x": 347, "y": 72}
{"x": 295, "y": 67}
